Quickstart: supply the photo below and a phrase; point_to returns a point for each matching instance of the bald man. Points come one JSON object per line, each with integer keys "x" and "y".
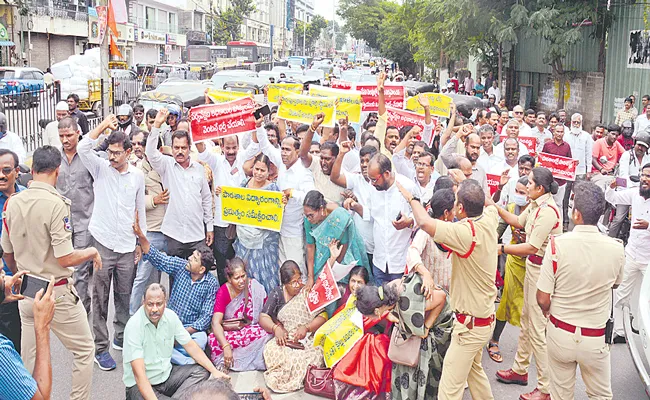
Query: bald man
{"x": 472, "y": 152}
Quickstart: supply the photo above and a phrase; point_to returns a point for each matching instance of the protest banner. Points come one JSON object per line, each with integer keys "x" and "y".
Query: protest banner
{"x": 324, "y": 292}
{"x": 439, "y": 104}
{"x": 349, "y": 101}
{"x": 493, "y": 183}
{"x": 400, "y": 118}
{"x": 218, "y": 120}
{"x": 561, "y": 167}
{"x": 222, "y": 96}
{"x": 301, "y": 108}
{"x": 529, "y": 141}
{"x": 252, "y": 207}
{"x": 274, "y": 89}
{"x": 393, "y": 96}
{"x": 339, "y": 84}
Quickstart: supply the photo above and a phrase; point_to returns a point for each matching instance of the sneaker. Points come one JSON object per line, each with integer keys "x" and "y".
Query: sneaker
{"x": 105, "y": 361}
{"x": 117, "y": 344}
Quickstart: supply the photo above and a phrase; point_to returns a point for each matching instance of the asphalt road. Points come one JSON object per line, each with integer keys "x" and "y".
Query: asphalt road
{"x": 108, "y": 385}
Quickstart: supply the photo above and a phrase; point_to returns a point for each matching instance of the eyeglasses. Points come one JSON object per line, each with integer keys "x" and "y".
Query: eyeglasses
{"x": 422, "y": 165}
{"x": 295, "y": 283}
{"x": 114, "y": 153}
{"x": 519, "y": 112}
{"x": 575, "y": 122}
{"x": 138, "y": 143}
{"x": 7, "y": 170}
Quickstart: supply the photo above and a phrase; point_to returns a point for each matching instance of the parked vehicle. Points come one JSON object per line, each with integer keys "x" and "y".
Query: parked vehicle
{"x": 20, "y": 85}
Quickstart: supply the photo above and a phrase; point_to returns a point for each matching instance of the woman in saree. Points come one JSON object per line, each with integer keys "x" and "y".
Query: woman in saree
{"x": 512, "y": 300}
{"x": 237, "y": 339}
{"x": 324, "y": 222}
{"x": 286, "y": 315}
{"x": 426, "y": 257}
{"x": 428, "y": 317}
{"x": 259, "y": 247}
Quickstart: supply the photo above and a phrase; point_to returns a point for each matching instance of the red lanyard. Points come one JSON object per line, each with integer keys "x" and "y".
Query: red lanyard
{"x": 471, "y": 248}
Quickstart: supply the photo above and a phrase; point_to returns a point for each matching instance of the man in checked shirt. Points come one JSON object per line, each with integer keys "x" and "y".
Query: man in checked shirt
{"x": 193, "y": 291}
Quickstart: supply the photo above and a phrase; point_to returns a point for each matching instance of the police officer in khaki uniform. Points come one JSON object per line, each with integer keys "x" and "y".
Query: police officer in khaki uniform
{"x": 37, "y": 237}
{"x": 580, "y": 269}
{"x": 540, "y": 219}
{"x": 472, "y": 242}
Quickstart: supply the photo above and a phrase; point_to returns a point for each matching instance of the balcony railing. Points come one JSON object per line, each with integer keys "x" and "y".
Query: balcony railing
{"x": 143, "y": 23}
{"x": 70, "y": 13}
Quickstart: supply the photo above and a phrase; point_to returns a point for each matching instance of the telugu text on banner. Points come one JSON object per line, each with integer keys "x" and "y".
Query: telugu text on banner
{"x": 339, "y": 84}
{"x": 222, "y": 96}
{"x": 561, "y": 167}
{"x": 301, "y": 108}
{"x": 274, "y": 89}
{"x": 324, "y": 292}
{"x": 349, "y": 104}
{"x": 493, "y": 183}
{"x": 439, "y": 104}
{"x": 393, "y": 96}
{"x": 252, "y": 207}
{"x": 400, "y": 118}
{"x": 218, "y": 120}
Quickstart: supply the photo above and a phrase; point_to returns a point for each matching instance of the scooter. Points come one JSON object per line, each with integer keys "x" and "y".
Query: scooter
{"x": 643, "y": 322}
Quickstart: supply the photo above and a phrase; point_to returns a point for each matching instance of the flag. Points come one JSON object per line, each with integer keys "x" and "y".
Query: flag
{"x": 114, "y": 50}
{"x": 111, "y": 19}
{"x": 119, "y": 11}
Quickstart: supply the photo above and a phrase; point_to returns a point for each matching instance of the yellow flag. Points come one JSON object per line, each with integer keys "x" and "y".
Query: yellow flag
{"x": 222, "y": 96}
{"x": 301, "y": 108}
{"x": 275, "y": 88}
{"x": 349, "y": 104}
{"x": 440, "y": 104}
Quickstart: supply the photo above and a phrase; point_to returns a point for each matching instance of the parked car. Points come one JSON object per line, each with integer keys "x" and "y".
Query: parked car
{"x": 21, "y": 85}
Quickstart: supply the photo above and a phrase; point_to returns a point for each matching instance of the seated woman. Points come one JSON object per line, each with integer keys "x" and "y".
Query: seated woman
{"x": 435, "y": 324}
{"x": 325, "y": 222}
{"x": 238, "y": 348}
{"x": 357, "y": 278}
{"x": 426, "y": 257}
{"x": 259, "y": 247}
{"x": 286, "y": 315}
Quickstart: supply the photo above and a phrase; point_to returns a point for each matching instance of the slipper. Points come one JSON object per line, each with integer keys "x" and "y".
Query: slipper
{"x": 494, "y": 355}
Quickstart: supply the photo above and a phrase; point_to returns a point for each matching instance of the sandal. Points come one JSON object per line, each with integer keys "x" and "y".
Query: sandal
{"x": 494, "y": 355}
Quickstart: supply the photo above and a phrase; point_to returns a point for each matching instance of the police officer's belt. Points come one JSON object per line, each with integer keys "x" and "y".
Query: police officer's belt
{"x": 571, "y": 328}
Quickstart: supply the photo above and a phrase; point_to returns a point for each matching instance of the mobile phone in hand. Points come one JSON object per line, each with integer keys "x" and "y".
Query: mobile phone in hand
{"x": 621, "y": 182}
{"x": 262, "y": 111}
{"x": 399, "y": 216}
{"x": 32, "y": 284}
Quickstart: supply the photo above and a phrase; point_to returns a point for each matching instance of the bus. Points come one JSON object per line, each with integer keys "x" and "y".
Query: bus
{"x": 248, "y": 52}
{"x": 218, "y": 52}
{"x": 202, "y": 54}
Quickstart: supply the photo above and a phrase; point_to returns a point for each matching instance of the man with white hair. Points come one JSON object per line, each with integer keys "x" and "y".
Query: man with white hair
{"x": 524, "y": 128}
{"x": 51, "y": 134}
{"x": 581, "y": 147}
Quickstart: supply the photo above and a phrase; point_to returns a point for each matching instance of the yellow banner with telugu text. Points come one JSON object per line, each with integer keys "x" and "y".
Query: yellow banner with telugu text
{"x": 223, "y": 96}
{"x": 440, "y": 104}
{"x": 252, "y": 207}
{"x": 274, "y": 89}
{"x": 349, "y": 101}
{"x": 301, "y": 108}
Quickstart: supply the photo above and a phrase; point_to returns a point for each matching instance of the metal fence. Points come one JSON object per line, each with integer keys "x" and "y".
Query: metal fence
{"x": 125, "y": 90}
{"x": 26, "y": 111}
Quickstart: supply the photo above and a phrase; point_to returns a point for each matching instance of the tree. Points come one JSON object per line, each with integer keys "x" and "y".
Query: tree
{"x": 364, "y": 19}
{"x": 225, "y": 25}
{"x": 310, "y": 32}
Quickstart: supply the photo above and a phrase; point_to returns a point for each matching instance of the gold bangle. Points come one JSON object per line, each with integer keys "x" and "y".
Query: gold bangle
{"x": 226, "y": 345}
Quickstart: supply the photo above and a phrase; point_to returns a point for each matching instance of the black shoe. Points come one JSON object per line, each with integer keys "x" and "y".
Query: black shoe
{"x": 619, "y": 339}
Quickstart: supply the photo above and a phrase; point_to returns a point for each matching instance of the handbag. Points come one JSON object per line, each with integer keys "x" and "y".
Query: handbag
{"x": 319, "y": 382}
{"x": 231, "y": 232}
{"x": 233, "y": 324}
{"x": 404, "y": 351}
{"x": 294, "y": 345}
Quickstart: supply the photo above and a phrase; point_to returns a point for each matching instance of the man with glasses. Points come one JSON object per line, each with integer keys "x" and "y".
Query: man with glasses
{"x": 637, "y": 251}
{"x": 425, "y": 176}
{"x": 75, "y": 183}
{"x": 581, "y": 149}
{"x": 119, "y": 194}
{"x": 518, "y": 112}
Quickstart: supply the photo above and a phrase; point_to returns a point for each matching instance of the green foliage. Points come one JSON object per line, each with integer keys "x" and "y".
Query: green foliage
{"x": 311, "y": 32}
{"x": 225, "y": 25}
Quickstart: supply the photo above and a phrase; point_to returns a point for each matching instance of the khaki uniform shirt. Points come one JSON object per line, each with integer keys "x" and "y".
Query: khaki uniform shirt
{"x": 539, "y": 226}
{"x": 40, "y": 231}
{"x": 588, "y": 265}
{"x": 472, "y": 279}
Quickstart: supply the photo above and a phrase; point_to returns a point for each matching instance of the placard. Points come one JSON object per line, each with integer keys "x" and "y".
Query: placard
{"x": 561, "y": 167}
{"x": 273, "y": 90}
{"x": 439, "y": 104}
{"x": 301, "y": 108}
{"x": 252, "y": 207}
{"x": 324, "y": 292}
{"x": 219, "y": 120}
{"x": 222, "y": 96}
{"x": 339, "y": 84}
{"x": 393, "y": 97}
{"x": 493, "y": 183}
{"x": 349, "y": 104}
{"x": 529, "y": 141}
{"x": 400, "y": 118}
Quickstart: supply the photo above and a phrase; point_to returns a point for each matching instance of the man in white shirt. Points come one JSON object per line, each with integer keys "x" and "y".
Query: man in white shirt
{"x": 119, "y": 195}
{"x": 512, "y": 131}
{"x": 581, "y": 149}
{"x": 524, "y": 128}
{"x": 642, "y": 122}
{"x": 503, "y": 194}
{"x": 472, "y": 150}
{"x": 540, "y": 133}
{"x": 189, "y": 212}
{"x": 488, "y": 159}
{"x": 51, "y": 134}
{"x": 360, "y": 186}
{"x": 425, "y": 176}
{"x": 637, "y": 251}
{"x": 494, "y": 91}
{"x": 469, "y": 82}
{"x": 11, "y": 141}
{"x": 321, "y": 166}
{"x": 392, "y": 217}
{"x": 629, "y": 165}
{"x": 295, "y": 181}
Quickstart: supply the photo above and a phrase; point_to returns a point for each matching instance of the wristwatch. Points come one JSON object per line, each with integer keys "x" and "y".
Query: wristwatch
{"x": 503, "y": 249}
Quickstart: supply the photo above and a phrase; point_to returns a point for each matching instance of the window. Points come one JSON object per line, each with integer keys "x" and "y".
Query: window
{"x": 150, "y": 16}
{"x": 162, "y": 21}
{"x": 172, "y": 22}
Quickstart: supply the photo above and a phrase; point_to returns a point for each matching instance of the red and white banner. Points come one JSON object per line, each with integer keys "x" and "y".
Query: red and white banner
{"x": 102, "y": 16}
{"x": 493, "y": 183}
{"x": 224, "y": 119}
{"x": 399, "y": 118}
{"x": 529, "y": 141}
{"x": 324, "y": 292}
{"x": 561, "y": 167}
{"x": 339, "y": 84}
{"x": 393, "y": 96}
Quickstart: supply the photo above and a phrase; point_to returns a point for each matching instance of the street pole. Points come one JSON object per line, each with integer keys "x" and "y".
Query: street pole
{"x": 271, "y": 44}
{"x": 304, "y": 35}
{"x": 103, "y": 68}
